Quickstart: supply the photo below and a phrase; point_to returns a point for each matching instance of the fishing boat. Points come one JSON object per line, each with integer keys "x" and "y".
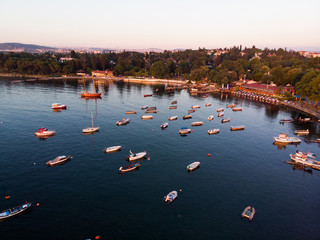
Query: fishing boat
{"x": 191, "y": 111}
{"x": 146, "y": 117}
{"x": 284, "y": 138}
{"x": 144, "y": 107}
{"x": 305, "y": 159}
{"x": 151, "y": 111}
{"x": 225, "y": 120}
{"x": 11, "y": 212}
{"x": 231, "y": 105}
{"x": 195, "y": 106}
{"x": 147, "y": 95}
{"x": 220, "y": 114}
{"x": 220, "y": 110}
{"x": 197, "y": 123}
{"x": 173, "y": 118}
{"x": 131, "y": 112}
{"x": 59, "y": 160}
{"x": 236, "y": 109}
{"x": 193, "y": 166}
{"x": 58, "y": 106}
{"x": 87, "y": 94}
{"x": 112, "y": 149}
{"x": 302, "y": 132}
{"x": 249, "y": 213}
{"x": 173, "y": 107}
{"x": 236, "y": 128}
{"x": 170, "y": 197}
{"x": 213, "y": 131}
{"x": 164, "y": 125}
{"x": 286, "y": 120}
{"x": 123, "y": 122}
{"x": 136, "y": 156}
{"x": 208, "y": 104}
{"x": 44, "y": 132}
{"x": 210, "y": 118}
{"x": 187, "y": 117}
{"x": 129, "y": 168}
{"x": 91, "y": 129}
{"x": 184, "y": 131}
{"x": 174, "y": 102}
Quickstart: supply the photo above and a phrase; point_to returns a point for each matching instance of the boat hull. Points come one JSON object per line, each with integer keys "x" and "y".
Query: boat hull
{"x": 12, "y": 212}
{"x": 137, "y": 156}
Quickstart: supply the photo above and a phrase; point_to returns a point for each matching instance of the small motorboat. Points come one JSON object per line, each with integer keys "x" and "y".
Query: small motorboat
{"x": 220, "y": 114}
{"x": 173, "y": 118}
{"x": 59, "y": 160}
{"x": 131, "y": 112}
{"x": 147, "y": 95}
{"x": 236, "y": 128}
{"x": 211, "y": 117}
{"x": 224, "y": 120}
{"x": 151, "y": 111}
{"x": 112, "y": 149}
{"x": 197, "y": 123}
{"x": 174, "y": 102}
{"x": 187, "y": 117}
{"x": 193, "y": 166}
{"x": 195, "y": 106}
{"x": 173, "y": 107}
{"x": 208, "y": 104}
{"x": 44, "y": 132}
{"x": 146, "y": 117}
{"x": 213, "y": 131}
{"x": 11, "y": 212}
{"x": 286, "y": 120}
{"x": 136, "y": 156}
{"x": 184, "y": 131}
{"x": 170, "y": 197}
{"x": 220, "y": 110}
{"x": 191, "y": 111}
{"x": 58, "y": 106}
{"x": 249, "y": 213}
{"x": 144, "y": 107}
{"x": 164, "y": 125}
{"x": 151, "y": 108}
{"x": 231, "y": 105}
{"x": 284, "y": 138}
{"x": 236, "y": 109}
{"x": 90, "y": 129}
{"x": 302, "y": 132}
{"x": 123, "y": 122}
{"x": 129, "y": 168}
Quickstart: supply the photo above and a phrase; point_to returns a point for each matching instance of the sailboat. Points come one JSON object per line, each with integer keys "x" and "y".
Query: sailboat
{"x": 87, "y": 94}
{"x": 91, "y": 129}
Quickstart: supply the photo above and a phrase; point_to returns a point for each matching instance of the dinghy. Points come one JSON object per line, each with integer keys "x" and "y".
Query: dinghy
{"x": 5, "y": 214}
{"x": 129, "y": 168}
{"x": 112, "y": 149}
{"x": 136, "y": 156}
{"x": 249, "y": 213}
{"x": 170, "y": 197}
{"x": 193, "y": 166}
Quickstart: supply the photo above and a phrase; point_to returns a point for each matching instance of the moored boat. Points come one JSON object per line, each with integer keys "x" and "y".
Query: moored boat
{"x": 305, "y": 159}
{"x": 164, "y": 125}
{"x": 191, "y": 111}
{"x": 301, "y": 132}
{"x": 220, "y": 114}
{"x": 284, "y": 138}
{"x": 91, "y": 129}
{"x": 236, "y": 109}
{"x": 131, "y": 112}
{"x": 231, "y": 105}
{"x": 225, "y": 120}
{"x": 151, "y": 111}
{"x": 58, "y": 106}
{"x": 174, "y": 102}
{"x": 208, "y": 104}
{"x": 123, "y": 122}
{"x": 147, "y": 95}
{"x": 129, "y": 168}
{"x": 151, "y": 108}
{"x": 44, "y": 132}
{"x": 136, "y": 156}
{"x": 173, "y": 118}
{"x": 146, "y": 117}
{"x": 173, "y": 107}
{"x": 112, "y": 149}
{"x": 213, "y": 131}
{"x": 197, "y": 123}
{"x": 11, "y": 212}
{"x": 236, "y": 128}
{"x": 220, "y": 110}
{"x": 193, "y": 166}
{"x": 170, "y": 197}
{"x": 144, "y": 107}
{"x": 184, "y": 131}
{"x": 210, "y": 118}
{"x": 249, "y": 213}
{"x": 187, "y": 117}
{"x": 195, "y": 106}
{"x": 59, "y": 160}
{"x": 286, "y": 120}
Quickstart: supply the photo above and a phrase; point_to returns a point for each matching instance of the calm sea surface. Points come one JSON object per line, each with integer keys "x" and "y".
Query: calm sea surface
{"x": 87, "y": 197}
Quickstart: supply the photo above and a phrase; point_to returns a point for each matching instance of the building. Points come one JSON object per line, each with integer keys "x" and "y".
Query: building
{"x": 105, "y": 73}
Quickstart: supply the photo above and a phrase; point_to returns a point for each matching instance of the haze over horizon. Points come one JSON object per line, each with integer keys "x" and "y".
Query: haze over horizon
{"x": 167, "y": 24}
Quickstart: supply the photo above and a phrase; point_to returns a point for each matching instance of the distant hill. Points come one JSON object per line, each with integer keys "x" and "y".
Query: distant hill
{"x": 25, "y": 47}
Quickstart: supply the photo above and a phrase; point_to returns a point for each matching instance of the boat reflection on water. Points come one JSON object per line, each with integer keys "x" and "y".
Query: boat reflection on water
{"x": 281, "y": 145}
{"x": 42, "y": 138}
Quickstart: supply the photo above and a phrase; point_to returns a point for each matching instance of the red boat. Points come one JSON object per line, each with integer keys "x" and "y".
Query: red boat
{"x": 58, "y": 106}
{"x": 87, "y": 94}
{"x": 147, "y": 95}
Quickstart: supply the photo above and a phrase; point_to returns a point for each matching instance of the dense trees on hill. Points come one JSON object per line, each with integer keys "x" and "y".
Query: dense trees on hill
{"x": 221, "y": 66}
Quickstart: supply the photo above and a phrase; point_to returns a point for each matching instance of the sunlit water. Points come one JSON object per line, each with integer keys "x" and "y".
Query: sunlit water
{"x": 87, "y": 197}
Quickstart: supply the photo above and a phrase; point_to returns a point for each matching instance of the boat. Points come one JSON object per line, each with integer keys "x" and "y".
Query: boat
{"x": 151, "y": 111}
{"x": 144, "y": 107}
{"x": 136, "y": 156}
{"x": 236, "y": 109}
{"x": 129, "y": 168}
{"x": 197, "y": 123}
{"x": 249, "y": 213}
{"x": 304, "y": 119}
{"x": 170, "y": 197}
{"x": 11, "y": 212}
{"x": 191, "y": 111}
{"x": 220, "y": 110}
{"x": 91, "y": 129}
{"x": 173, "y": 107}
{"x": 147, "y": 95}
{"x": 286, "y": 120}
{"x": 300, "y": 132}
{"x": 151, "y": 108}
{"x": 193, "y": 166}
{"x": 58, "y": 106}
{"x": 59, "y": 160}
{"x": 187, "y": 117}
{"x": 284, "y": 138}
{"x": 184, "y": 131}
{"x": 174, "y": 102}
{"x": 195, "y": 106}
{"x": 236, "y": 128}
{"x": 112, "y": 149}
{"x": 44, "y": 132}
{"x": 123, "y": 122}
{"x": 225, "y": 120}
{"x": 146, "y": 117}
{"x": 173, "y": 118}
{"x": 231, "y": 105}
{"x": 305, "y": 159}
{"x": 213, "y": 131}
{"x": 210, "y": 118}
{"x": 208, "y": 104}
{"x": 164, "y": 125}
{"x": 87, "y": 94}
{"x": 131, "y": 112}
{"x": 220, "y": 114}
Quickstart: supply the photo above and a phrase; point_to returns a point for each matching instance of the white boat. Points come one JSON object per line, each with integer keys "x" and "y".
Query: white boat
{"x": 224, "y": 120}
{"x": 146, "y": 117}
{"x": 123, "y": 122}
{"x": 195, "y": 106}
{"x": 170, "y": 197}
{"x": 249, "y": 213}
{"x": 235, "y": 109}
{"x": 173, "y": 118}
{"x": 208, "y": 104}
{"x": 144, "y": 107}
{"x": 91, "y": 129}
{"x": 136, "y": 156}
{"x": 210, "y": 118}
{"x": 58, "y": 106}
{"x": 220, "y": 110}
{"x": 184, "y": 131}
{"x": 305, "y": 159}
{"x": 112, "y": 149}
{"x": 213, "y": 131}
{"x": 300, "y": 132}
{"x": 197, "y": 123}
{"x": 193, "y": 166}
{"x": 164, "y": 125}
{"x": 284, "y": 138}
{"x": 44, "y": 132}
{"x": 59, "y": 160}
{"x": 220, "y": 114}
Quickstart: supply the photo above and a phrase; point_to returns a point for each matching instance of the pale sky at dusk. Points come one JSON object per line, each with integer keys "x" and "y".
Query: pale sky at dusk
{"x": 165, "y": 24}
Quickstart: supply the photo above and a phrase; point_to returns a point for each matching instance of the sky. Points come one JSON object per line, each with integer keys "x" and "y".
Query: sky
{"x": 165, "y": 24}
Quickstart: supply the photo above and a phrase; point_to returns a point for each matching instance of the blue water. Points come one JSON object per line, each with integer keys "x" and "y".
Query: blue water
{"x": 87, "y": 197}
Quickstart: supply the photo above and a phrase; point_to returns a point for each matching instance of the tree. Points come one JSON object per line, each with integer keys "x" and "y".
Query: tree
{"x": 159, "y": 69}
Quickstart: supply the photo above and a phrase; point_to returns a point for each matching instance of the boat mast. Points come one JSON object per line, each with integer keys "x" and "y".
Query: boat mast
{"x": 92, "y": 119}
{"x": 94, "y": 87}
{"x": 84, "y": 84}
